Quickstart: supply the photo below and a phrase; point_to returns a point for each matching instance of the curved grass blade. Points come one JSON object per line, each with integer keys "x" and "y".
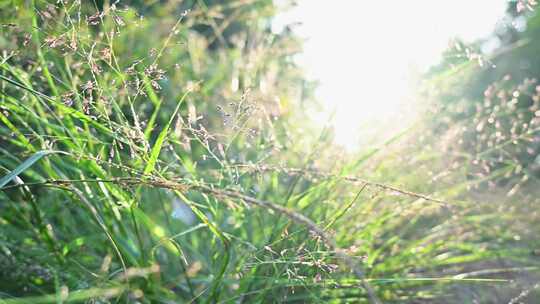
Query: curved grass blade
{"x": 25, "y": 165}
{"x": 156, "y": 149}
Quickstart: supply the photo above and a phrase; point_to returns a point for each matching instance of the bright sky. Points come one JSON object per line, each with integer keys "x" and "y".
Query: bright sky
{"x": 365, "y": 54}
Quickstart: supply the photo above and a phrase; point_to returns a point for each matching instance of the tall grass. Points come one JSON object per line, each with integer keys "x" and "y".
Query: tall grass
{"x": 142, "y": 164}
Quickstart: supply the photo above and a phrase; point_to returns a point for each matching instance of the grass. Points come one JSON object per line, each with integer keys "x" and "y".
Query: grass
{"x": 109, "y": 119}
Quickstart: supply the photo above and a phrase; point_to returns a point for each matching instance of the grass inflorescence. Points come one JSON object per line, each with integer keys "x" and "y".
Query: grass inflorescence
{"x": 158, "y": 154}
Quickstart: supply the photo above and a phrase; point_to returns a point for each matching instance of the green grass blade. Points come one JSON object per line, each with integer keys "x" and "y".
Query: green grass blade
{"x": 76, "y": 296}
{"x": 25, "y": 165}
{"x": 156, "y": 149}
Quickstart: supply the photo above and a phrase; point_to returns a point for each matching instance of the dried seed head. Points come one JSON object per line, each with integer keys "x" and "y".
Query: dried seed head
{"x": 95, "y": 18}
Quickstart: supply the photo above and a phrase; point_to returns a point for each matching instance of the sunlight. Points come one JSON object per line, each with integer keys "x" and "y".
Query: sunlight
{"x": 367, "y": 56}
{"x": 172, "y": 151}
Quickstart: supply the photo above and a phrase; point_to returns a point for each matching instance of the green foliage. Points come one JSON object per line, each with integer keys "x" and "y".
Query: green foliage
{"x": 184, "y": 170}
{"x": 494, "y": 117}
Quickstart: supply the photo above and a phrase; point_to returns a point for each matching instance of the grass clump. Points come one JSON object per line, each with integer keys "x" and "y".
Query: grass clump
{"x": 159, "y": 159}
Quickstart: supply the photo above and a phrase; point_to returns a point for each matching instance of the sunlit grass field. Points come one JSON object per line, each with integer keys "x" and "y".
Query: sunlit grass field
{"x": 151, "y": 154}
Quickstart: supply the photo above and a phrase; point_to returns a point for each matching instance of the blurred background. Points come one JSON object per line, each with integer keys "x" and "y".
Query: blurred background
{"x": 369, "y": 58}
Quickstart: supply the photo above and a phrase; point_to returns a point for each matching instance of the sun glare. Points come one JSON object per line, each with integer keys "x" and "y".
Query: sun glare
{"x": 368, "y": 55}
